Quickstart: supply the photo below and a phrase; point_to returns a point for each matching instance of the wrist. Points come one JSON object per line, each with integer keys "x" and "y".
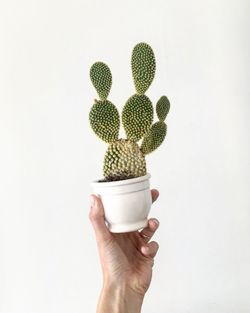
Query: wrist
{"x": 119, "y": 298}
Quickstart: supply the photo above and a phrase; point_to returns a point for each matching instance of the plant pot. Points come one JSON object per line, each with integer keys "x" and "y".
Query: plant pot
{"x": 126, "y": 203}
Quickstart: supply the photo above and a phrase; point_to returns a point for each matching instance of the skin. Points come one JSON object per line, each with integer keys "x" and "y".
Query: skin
{"x": 126, "y": 260}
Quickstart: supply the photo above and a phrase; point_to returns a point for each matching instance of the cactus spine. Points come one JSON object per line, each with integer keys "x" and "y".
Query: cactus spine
{"x": 125, "y": 158}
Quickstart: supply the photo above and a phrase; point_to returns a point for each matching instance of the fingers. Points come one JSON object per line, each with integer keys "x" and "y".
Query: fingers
{"x": 155, "y": 194}
{"x": 153, "y": 224}
{"x": 96, "y": 216}
{"x": 150, "y": 249}
{"x": 149, "y": 231}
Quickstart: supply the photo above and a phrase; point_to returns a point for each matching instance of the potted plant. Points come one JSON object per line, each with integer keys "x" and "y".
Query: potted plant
{"x": 125, "y": 188}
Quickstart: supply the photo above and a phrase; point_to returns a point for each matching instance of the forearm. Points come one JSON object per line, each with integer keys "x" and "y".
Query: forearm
{"x": 119, "y": 299}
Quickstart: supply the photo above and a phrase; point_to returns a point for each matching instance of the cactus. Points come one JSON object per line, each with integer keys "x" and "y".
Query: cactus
{"x": 104, "y": 116}
{"x": 125, "y": 158}
{"x": 137, "y": 116}
{"x": 101, "y": 78}
{"x": 104, "y": 120}
{"x": 143, "y": 67}
{"x": 157, "y": 133}
{"x": 162, "y": 108}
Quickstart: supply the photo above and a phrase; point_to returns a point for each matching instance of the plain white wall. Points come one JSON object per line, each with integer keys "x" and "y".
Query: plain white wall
{"x": 49, "y": 155}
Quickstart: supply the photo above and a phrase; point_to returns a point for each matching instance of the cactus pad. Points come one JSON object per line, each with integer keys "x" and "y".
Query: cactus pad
{"x": 124, "y": 159}
{"x": 101, "y": 78}
{"x": 137, "y": 116}
{"x": 162, "y": 108}
{"x": 143, "y": 67}
{"x": 154, "y": 138}
{"x": 104, "y": 120}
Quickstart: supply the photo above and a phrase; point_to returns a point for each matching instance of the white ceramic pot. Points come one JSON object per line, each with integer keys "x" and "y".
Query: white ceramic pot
{"x": 126, "y": 203}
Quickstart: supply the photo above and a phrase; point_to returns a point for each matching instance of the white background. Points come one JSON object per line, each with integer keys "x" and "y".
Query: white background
{"x": 49, "y": 155}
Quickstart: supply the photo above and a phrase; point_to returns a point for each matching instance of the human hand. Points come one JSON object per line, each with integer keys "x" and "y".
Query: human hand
{"x": 126, "y": 258}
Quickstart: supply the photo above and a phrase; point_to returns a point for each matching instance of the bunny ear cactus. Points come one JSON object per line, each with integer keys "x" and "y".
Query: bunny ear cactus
{"x": 143, "y": 67}
{"x": 157, "y": 133}
{"x": 101, "y": 78}
{"x": 125, "y": 158}
{"x": 137, "y": 116}
{"x": 138, "y": 112}
{"x": 104, "y": 117}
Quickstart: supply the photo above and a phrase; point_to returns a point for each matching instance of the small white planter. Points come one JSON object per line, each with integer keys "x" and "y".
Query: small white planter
{"x": 126, "y": 203}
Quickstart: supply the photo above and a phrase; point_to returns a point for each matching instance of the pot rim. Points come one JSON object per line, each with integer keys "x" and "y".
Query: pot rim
{"x": 121, "y": 182}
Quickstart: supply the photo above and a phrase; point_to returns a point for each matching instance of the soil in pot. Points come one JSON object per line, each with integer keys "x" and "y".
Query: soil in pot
{"x": 116, "y": 178}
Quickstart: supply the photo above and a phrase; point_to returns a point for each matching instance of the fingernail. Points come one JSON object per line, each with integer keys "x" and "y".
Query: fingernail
{"x": 156, "y": 222}
{"x": 92, "y": 201}
{"x": 145, "y": 249}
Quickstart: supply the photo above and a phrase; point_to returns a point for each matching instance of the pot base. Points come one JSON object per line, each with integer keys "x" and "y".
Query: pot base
{"x": 125, "y": 228}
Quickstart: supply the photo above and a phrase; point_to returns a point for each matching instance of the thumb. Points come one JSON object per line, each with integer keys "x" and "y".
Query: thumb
{"x": 96, "y": 216}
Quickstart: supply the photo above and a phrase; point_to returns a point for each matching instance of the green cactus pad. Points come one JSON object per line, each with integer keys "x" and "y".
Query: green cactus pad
{"x": 143, "y": 67}
{"x": 154, "y": 138}
{"x": 123, "y": 159}
{"x": 137, "y": 116}
{"x": 104, "y": 120}
{"x": 101, "y": 78}
{"x": 162, "y": 108}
